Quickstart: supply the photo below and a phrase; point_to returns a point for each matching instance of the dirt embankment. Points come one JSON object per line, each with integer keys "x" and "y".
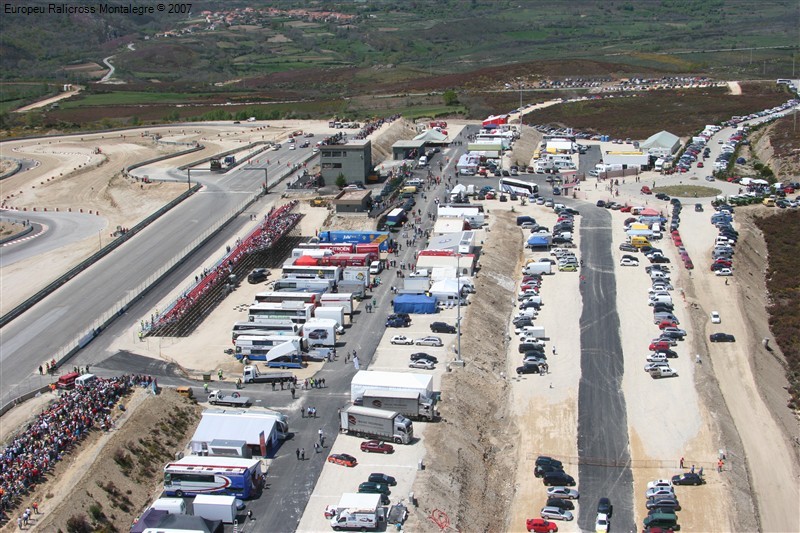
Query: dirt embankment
{"x": 470, "y": 469}
{"x": 114, "y": 476}
{"x": 525, "y": 146}
{"x": 778, "y": 146}
{"x": 382, "y": 145}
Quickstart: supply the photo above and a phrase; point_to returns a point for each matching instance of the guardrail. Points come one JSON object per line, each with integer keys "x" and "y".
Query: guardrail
{"x": 225, "y": 153}
{"x": 134, "y": 166}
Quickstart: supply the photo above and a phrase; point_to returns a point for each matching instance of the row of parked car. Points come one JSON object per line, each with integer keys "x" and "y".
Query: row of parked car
{"x": 419, "y": 360}
{"x": 661, "y": 347}
{"x": 531, "y": 345}
{"x": 722, "y": 257}
{"x": 662, "y": 503}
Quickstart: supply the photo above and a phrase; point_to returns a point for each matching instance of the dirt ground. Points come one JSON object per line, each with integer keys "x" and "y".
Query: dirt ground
{"x": 94, "y": 476}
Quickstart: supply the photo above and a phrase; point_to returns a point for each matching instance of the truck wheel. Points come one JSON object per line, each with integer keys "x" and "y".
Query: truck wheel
{"x": 283, "y": 367}
{"x": 179, "y": 493}
{"x": 235, "y": 395}
{"x": 397, "y": 440}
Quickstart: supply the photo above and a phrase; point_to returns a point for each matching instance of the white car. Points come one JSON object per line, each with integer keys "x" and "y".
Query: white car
{"x": 564, "y": 493}
{"x": 656, "y": 357}
{"x": 627, "y": 261}
{"x": 401, "y": 339}
{"x": 530, "y": 339}
{"x": 659, "y": 491}
{"x": 650, "y": 366}
{"x": 659, "y": 483}
{"x": 430, "y": 340}
{"x": 601, "y": 523}
{"x": 555, "y": 513}
{"x": 724, "y": 272}
{"x": 524, "y": 330}
{"x": 715, "y": 319}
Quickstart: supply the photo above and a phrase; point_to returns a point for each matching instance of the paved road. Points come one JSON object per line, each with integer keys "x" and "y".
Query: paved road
{"x": 70, "y": 311}
{"x": 60, "y": 229}
{"x": 602, "y": 419}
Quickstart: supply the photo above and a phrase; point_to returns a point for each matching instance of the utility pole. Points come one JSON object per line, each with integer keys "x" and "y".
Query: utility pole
{"x": 189, "y": 177}
{"x": 459, "y": 361}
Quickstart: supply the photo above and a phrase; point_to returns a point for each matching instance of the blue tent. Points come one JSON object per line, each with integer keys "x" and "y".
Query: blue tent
{"x": 539, "y": 240}
{"x": 414, "y": 304}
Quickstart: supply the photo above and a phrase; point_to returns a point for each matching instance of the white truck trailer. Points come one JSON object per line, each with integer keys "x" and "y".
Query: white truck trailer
{"x": 408, "y": 403}
{"x": 376, "y": 423}
{"x": 212, "y": 507}
{"x": 391, "y": 381}
{"x": 321, "y": 331}
{"x": 335, "y": 313}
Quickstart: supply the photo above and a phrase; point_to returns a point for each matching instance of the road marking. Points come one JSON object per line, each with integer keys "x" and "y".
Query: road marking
{"x": 23, "y": 239}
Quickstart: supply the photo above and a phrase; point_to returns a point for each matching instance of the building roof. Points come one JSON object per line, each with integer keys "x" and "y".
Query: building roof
{"x": 352, "y": 197}
{"x": 233, "y": 426}
{"x": 409, "y": 143}
{"x": 431, "y": 136}
{"x": 449, "y": 225}
{"x": 662, "y": 139}
{"x": 356, "y": 144}
{"x": 189, "y": 523}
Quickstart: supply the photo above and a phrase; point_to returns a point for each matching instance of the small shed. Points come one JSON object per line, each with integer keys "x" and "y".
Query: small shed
{"x": 353, "y": 201}
{"x": 408, "y": 149}
{"x": 661, "y": 144}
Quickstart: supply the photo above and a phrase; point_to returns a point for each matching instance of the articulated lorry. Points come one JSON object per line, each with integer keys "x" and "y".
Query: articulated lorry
{"x": 378, "y": 424}
{"x": 408, "y": 403}
{"x": 217, "y": 397}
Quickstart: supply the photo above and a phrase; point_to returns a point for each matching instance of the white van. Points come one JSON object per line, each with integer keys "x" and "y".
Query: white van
{"x": 84, "y": 380}
{"x": 375, "y": 267}
{"x": 661, "y": 300}
{"x": 170, "y": 505}
{"x": 423, "y": 161}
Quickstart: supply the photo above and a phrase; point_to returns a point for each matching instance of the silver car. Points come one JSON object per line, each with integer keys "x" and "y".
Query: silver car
{"x": 430, "y": 340}
{"x": 555, "y": 513}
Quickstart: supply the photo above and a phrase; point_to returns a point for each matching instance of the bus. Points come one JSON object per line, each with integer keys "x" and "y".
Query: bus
{"x": 232, "y": 476}
{"x": 257, "y": 345}
{"x": 302, "y": 285}
{"x": 278, "y": 297}
{"x": 266, "y": 327}
{"x": 313, "y": 272}
{"x": 511, "y": 185}
{"x": 297, "y": 312}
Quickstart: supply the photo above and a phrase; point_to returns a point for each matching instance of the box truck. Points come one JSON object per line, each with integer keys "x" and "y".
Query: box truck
{"x": 210, "y": 507}
{"x": 335, "y": 313}
{"x": 320, "y": 331}
{"x": 538, "y": 267}
{"x": 378, "y": 424}
{"x": 170, "y": 505}
{"x": 408, "y": 403}
{"x": 334, "y": 299}
{"x": 355, "y": 511}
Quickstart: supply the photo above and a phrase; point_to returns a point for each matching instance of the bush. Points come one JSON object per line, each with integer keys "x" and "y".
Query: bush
{"x": 341, "y": 181}
{"x": 96, "y": 512}
{"x": 78, "y": 524}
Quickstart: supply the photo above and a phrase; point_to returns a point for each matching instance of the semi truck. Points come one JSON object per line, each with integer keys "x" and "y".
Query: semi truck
{"x": 337, "y": 299}
{"x": 251, "y": 374}
{"x": 217, "y": 397}
{"x": 211, "y": 507}
{"x": 295, "y": 284}
{"x": 320, "y": 332}
{"x": 356, "y": 288}
{"x": 408, "y": 403}
{"x": 377, "y": 423}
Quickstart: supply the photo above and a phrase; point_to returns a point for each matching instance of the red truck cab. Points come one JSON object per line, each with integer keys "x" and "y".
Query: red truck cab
{"x": 67, "y": 381}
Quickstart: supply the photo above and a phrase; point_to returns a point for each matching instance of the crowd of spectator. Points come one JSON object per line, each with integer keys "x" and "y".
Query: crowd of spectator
{"x": 373, "y": 125}
{"x": 275, "y": 225}
{"x": 37, "y": 448}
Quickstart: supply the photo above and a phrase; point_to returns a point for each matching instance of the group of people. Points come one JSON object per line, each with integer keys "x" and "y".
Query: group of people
{"x": 277, "y": 223}
{"x": 371, "y": 126}
{"x": 36, "y": 449}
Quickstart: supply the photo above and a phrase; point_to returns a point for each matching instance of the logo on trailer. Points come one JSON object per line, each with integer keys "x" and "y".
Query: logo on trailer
{"x": 351, "y": 420}
{"x": 377, "y": 404}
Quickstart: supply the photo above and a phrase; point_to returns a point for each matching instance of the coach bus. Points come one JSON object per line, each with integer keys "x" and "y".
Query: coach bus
{"x": 313, "y": 272}
{"x": 297, "y": 312}
{"x": 233, "y": 476}
{"x": 266, "y": 327}
{"x": 510, "y": 185}
{"x": 278, "y": 297}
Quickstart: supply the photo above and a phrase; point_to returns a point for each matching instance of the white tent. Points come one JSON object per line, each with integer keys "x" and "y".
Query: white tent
{"x": 222, "y": 424}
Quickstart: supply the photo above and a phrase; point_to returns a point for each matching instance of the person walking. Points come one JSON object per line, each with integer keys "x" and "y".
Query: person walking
{"x": 302, "y": 454}
{"x": 692, "y": 470}
{"x": 719, "y": 465}
{"x": 316, "y": 447}
{"x": 681, "y": 463}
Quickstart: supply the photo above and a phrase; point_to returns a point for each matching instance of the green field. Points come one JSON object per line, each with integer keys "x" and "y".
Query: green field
{"x": 132, "y": 98}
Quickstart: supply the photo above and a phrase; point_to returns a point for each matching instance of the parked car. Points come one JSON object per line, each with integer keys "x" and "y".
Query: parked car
{"x": 725, "y": 271}
{"x": 527, "y": 369}
{"x": 604, "y": 507}
{"x": 377, "y": 477}
{"x": 543, "y": 460}
{"x": 540, "y": 525}
{"x": 715, "y": 318}
{"x": 543, "y": 470}
{"x": 376, "y": 446}
{"x": 422, "y": 355}
{"x": 401, "y": 339}
{"x": 659, "y": 483}
{"x": 563, "y": 493}
{"x": 601, "y": 523}
{"x": 423, "y": 364}
{"x": 556, "y": 513}
{"x": 627, "y": 261}
{"x": 369, "y": 487}
{"x": 430, "y": 340}
{"x": 342, "y": 459}
{"x": 558, "y": 479}
{"x": 442, "y": 327}
{"x": 722, "y": 337}
{"x": 688, "y": 478}
{"x": 668, "y": 503}
{"x": 397, "y": 322}
{"x": 660, "y": 491}
{"x": 257, "y": 275}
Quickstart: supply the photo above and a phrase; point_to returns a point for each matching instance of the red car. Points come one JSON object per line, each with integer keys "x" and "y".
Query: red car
{"x": 540, "y": 525}
{"x": 667, "y": 324}
{"x": 699, "y": 164}
{"x": 626, "y": 209}
{"x": 342, "y": 459}
{"x": 659, "y": 346}
{"x": 646, "y": 190}
{"x": 376, "y": 446}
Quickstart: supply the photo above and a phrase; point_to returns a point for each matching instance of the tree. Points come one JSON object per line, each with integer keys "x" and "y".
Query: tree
{"x": 341, "y": 181}
{"x": 450, "y": 97}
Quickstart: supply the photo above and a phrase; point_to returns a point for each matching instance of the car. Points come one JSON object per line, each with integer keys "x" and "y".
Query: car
{"x": 604, "y": 507}
{"x": 422, "y": 355}
{"x": 377, "y": 477}
{"x": 401, "y": 339}
{"x": 342, "y": 459}
{"x": 564, "y": 493}
{"x": 376, "y": 446}
{"x": 658, "y": 346}
{"x": 724, "y": 271}
{"x": 503, "y": 197}
{"x": 657, "y": 364}
{"x": 528, "y": 369}
{"x": 430, "y": 340}
{"x": 543, "y": 470}
{"x": 715, "y": 319}
{"x": 628, "y": 247}
{"x": 368, "y": 487}
{"x": 570, "y": 267}
{"x": 673, "y": 332}
{"x": 555, "y": 513}
{"x": 397, "y": 322}
{"x": 665, "y": 503}
{"x": 442, "y": 327}
{"x": 601, "y": 523}
{"x": 659, "y": 491}
{"x": 646, "y": 190}
{"x": 659, "y": 259}
{"x": 659, "y": 483}
{"x": 688, "y": 478}
{"x": 721, "y": 337}
{"x": 558, "y": 479}
{"x": 423, "y": 364}
{"x": 656, "y": 357}
{"x": 540, "y": 525}
{"x": 533, "y": 359}
{"x": 545, "y": 460}
{"x": 668, "y": 339}
{"x": 258, "y": 275}
{"x": 627, "y": 261}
